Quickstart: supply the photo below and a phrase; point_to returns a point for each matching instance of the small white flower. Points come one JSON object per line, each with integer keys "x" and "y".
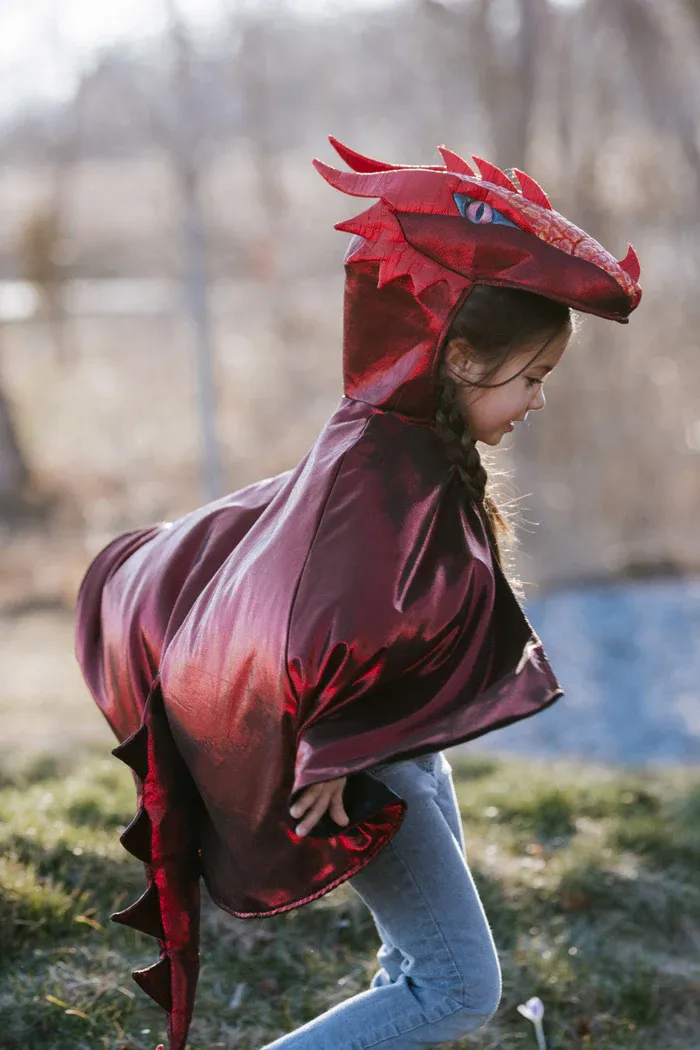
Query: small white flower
{"x": 533, "y": 1009}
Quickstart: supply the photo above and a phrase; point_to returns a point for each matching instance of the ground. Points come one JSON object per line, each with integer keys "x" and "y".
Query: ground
{"x": 589, "y": 878}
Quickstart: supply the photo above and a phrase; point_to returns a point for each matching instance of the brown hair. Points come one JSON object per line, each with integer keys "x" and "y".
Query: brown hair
{"x": 494, "y": 323}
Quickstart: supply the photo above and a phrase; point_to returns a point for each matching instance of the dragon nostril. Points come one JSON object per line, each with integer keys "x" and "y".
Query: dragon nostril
{"x": 479, "y": 211}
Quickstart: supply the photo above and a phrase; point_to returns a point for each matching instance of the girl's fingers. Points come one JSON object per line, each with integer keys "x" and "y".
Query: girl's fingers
{"x": 314, "y": 815}
{"x": 336, "y": 809}
{"x": 315, "y": 800}
{"x": 306, "y": 799}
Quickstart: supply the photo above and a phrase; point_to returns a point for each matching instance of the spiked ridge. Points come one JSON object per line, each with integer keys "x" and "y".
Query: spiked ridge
{"x": 630, "y": 263}
{"x": 169, "y": 908}
{"x": 532, "y": 190}
{"x": 453, "y": 162}
{"x": 490, "y": 173}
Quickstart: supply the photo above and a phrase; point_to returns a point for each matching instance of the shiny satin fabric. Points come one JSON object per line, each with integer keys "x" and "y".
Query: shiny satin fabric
{"x": 271, "y": 683}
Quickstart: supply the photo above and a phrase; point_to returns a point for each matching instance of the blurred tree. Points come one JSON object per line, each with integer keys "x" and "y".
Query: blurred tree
{"x": 18, "y": 499}
{"x": 43, "y": 238}
{"x": 40, "y": 262}
{"x": 257, "y": 54}
{"x": 649, "y": 47}
{"x": 173, "y": 108}
{"x": 187, "y": 155}
{"x": 503, "y": 44}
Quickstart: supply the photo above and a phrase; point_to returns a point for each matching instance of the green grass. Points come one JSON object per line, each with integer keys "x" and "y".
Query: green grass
{"x": 589, "y": 877}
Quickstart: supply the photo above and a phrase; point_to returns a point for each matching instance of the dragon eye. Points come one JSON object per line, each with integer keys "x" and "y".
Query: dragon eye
{"x": 480, "y": 212}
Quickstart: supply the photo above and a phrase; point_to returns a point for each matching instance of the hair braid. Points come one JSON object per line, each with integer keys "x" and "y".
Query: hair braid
{"x": 491, "y": 324}
{"x": 461, "y": 450}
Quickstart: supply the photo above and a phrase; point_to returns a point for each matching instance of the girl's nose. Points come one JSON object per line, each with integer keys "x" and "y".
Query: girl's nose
{"x": 538, "y": 401}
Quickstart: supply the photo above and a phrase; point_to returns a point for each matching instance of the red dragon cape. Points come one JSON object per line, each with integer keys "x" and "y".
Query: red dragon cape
{"x": 344, "y": 613}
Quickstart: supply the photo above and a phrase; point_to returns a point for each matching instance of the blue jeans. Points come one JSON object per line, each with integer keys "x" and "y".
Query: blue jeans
{"x": 438, "y": 976}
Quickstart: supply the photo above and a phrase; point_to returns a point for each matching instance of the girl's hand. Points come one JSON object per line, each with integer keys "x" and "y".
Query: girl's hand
{"x": 315, "y": 800}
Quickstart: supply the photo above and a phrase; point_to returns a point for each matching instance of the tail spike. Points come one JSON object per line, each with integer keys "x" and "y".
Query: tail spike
{"x": 490, "y": 173}
{"x": 143, "y": 914}
{"x": 136, "y": 840}
{"x": 532, "y": 190}
{"x": 453, "y": 162}
{"x": 630, "y": 263}
{"x": 134, "y": 752}
{"x": 165, "y": 835}
{"x": 155, "y": 982}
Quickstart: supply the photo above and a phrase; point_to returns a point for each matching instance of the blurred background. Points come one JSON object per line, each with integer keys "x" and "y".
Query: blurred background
{"x": 171, "y": 307}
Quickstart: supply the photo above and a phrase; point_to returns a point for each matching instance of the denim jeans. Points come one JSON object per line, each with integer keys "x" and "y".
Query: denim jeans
{"x": 438, "y": 977}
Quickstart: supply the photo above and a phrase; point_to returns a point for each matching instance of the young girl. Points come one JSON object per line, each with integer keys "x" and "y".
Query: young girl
{"x": 284, "y": 666}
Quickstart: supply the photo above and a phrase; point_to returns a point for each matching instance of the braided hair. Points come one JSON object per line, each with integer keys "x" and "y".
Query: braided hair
{"x": 493, "y": 323}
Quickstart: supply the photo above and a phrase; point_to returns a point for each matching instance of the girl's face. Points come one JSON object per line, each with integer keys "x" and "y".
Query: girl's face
{"x": 492, "y": 411}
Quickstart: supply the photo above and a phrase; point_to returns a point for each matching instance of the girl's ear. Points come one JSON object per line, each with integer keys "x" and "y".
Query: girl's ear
{"x": 459, "y": 363}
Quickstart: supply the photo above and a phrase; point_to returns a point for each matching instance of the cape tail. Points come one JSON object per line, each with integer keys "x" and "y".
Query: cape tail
{"x": 164, "y": 835}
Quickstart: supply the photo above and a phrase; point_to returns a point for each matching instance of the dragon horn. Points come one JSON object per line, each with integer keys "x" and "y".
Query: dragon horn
{"x": 453, "y": 162}
{"x": 366, "y": 165}
{"x": 385, "y": 184}
{"x": 630, "y": 263}
{"x": 532, "y": 190}
{"x": 490, "y": 173}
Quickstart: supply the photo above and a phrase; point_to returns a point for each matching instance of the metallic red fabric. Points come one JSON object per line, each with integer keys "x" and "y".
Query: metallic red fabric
{"x": 344, "y": 613}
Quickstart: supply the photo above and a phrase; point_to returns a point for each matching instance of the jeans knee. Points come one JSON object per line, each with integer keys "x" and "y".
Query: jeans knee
{"x": 451, "y": 1018}
{"x": 485, "y": 999}
{"x": 458, "y": 1002}
{"x": 480, "y": 991}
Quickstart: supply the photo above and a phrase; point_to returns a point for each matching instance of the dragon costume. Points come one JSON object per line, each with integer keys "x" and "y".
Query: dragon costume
{"x": 347, "y": 612}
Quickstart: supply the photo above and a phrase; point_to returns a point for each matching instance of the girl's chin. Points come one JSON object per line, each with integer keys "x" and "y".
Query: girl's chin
{"x": 493, "y": 439}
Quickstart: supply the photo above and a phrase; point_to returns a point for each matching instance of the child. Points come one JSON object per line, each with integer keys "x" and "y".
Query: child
{"x": 284, "y": 666}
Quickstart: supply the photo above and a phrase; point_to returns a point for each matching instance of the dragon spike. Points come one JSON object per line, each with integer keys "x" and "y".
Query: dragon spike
{"x": 532, "y": 190}
{"x": 134, "y": 752}
{"x": 490, "y": 173}
{"x": 136, "y": 840}
{"x": 453, "y": 162}
{"x": 155, "y": 982}
{"x": 630, "y": 263}
{"x": 365, "y": 165}
{"x": 143, "y": 915}
{"x": 361, "y": 225}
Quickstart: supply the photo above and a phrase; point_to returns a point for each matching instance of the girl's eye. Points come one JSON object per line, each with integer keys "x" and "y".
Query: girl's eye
{"x": 535, "y": 380}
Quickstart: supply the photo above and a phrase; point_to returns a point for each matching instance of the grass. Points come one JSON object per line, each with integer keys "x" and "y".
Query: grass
{"x": 589, "y": 877}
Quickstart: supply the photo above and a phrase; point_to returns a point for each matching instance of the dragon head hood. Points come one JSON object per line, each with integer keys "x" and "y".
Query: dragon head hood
{"x": 434, "y": 233}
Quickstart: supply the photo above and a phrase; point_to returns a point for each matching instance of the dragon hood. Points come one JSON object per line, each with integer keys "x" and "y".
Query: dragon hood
{"x": 433, "y": 234}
